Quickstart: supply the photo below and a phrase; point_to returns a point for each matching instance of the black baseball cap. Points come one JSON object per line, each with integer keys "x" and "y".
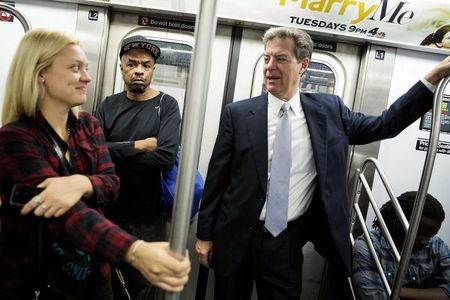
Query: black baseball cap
{"x": 139, "y": 42}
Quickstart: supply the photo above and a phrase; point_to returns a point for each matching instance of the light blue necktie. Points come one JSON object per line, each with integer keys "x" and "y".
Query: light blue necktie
{"x": 280, "y": 173}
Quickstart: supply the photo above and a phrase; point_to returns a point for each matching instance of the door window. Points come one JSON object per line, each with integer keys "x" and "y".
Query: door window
{"x": 318, "y": 78}
{"x": 325, "y": 75}
{"x": 171, "y": 69}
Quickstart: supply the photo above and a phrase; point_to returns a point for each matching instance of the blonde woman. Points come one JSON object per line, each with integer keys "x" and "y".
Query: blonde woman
{"x": 47, "y": 81}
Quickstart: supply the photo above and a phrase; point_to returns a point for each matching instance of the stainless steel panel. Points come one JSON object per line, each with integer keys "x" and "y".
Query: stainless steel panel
{"x": 372, "y": 97}
{"x": 91, "y": 30}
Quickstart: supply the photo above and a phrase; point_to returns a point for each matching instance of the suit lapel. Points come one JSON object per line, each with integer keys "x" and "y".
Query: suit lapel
{"x": 317, "y": 125}
{"x": 257, "y": 131}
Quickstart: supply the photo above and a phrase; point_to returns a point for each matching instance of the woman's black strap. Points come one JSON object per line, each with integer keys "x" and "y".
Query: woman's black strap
{"x": 67, "y": 165}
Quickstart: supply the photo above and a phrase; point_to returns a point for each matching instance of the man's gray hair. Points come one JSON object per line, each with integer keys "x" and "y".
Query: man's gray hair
{"x": 303, "y": 44}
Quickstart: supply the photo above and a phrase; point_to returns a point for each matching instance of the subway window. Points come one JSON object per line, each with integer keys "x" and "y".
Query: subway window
{"x": 172, "y": 68}
{"x": 325, "y": 74}
{"x": 318, "y": 78}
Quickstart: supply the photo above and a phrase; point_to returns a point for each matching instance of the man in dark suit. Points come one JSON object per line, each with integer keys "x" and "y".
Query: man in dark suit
{"x": 233, "y": 233}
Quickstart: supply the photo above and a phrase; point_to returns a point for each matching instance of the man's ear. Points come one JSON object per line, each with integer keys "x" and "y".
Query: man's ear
{"x": 304, "y": 65}
{"x": 121, "y": 69}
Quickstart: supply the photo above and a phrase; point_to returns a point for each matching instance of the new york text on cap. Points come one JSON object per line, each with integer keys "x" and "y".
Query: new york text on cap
{"x": 139, "y": 42}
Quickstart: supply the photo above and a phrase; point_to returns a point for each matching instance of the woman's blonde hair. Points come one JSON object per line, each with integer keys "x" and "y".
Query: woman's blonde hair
{"x": 35, "y": 53}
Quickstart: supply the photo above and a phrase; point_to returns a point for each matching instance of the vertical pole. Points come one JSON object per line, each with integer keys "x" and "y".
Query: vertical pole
{"x": 423, "y": 188}
{"x": 193, "y": 119}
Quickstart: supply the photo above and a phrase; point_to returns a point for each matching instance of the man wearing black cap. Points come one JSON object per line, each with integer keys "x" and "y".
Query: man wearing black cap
{"x": 141, "y": 127}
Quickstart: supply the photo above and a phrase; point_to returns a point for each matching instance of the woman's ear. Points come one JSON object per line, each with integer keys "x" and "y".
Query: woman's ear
{"x": 41, "y": 78}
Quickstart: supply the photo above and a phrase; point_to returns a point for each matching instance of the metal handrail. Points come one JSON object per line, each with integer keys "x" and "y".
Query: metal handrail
{"x": 18, "y": 14}
{"x": 380, "y": 219}
{"x": 423, "y": 187}
{"x": 356, "y": 213}
{"x": 357, "y": 193}
{"x": 372, "y": 249}
{"x": 412, "y": 227}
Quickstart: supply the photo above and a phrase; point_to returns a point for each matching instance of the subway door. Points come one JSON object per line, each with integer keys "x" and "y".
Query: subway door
{"x": 171, "y": 76}
{"x": 332, "y": 72}
{"x": 172, "y": 69}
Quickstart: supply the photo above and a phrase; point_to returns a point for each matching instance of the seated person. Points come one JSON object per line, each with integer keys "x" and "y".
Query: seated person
{"x": 428, "y": 272}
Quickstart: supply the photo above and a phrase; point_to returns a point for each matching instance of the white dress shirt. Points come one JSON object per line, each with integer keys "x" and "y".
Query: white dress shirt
{"x": 303, "y": 171}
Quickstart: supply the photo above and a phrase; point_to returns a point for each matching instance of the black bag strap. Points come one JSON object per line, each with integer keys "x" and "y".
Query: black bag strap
{"x": 159, "y": 108}
{"x": 67, "y": 165}
{"x": 40, "y": 261}
{"x": 68, "y": 169}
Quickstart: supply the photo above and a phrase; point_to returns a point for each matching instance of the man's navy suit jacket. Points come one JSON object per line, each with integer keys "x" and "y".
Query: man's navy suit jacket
{"x": 236, "y": 183}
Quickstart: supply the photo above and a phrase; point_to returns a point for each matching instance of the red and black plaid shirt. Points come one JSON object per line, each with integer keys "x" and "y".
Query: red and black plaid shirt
{"x": 26, "y": 157}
